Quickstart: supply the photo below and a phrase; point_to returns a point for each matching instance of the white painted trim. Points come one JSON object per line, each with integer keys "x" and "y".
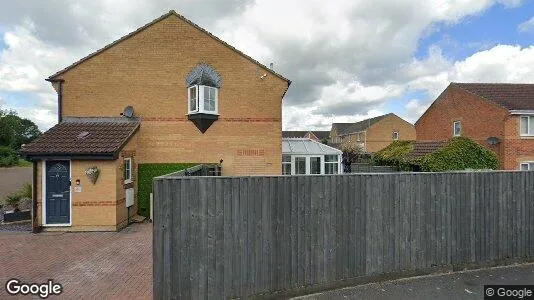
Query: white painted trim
{"x": 308, "y": 164}
{"x": 43, "y": 199}
{"x": 522, "y": 112}
{"x": 454, "y": 128}
{"x": 129, "y": 180}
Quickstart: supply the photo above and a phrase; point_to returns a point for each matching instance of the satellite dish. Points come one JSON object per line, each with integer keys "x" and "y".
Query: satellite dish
{"x": 493, "y": 140}
{"x": 128, "y": 111}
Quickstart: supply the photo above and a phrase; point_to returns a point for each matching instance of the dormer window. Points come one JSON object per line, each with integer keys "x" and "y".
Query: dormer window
{"x": 203, "y": 84}
{"x": 203, "y": 99}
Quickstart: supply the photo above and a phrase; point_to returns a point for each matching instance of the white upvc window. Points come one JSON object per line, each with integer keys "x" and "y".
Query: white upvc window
{"x": 203, "y": 99}
{"x": 527, "y": 126}
{"x": 286, "y": 164}
{"x": 456, "y": 128}
{"x": 331, "y": 164}
{"x": 527, "y": 166}
{"x": 127, "y": 170}
{"x": 395, "y": 135}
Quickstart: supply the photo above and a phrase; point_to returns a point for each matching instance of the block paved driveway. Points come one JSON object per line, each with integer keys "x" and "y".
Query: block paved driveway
{"x": 92, "y": 265}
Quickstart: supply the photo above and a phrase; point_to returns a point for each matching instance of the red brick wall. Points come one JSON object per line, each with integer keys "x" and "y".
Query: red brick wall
{"x": 517, "y": 149}
{"x": 479, "y": 118}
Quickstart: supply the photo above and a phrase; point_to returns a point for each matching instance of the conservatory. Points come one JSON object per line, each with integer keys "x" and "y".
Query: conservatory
{"x": 306, "y": 156}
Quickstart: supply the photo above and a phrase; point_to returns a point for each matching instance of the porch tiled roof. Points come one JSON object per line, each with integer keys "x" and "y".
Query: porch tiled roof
{"x": 422, "y": 148}
{"x": 84, "y": 136}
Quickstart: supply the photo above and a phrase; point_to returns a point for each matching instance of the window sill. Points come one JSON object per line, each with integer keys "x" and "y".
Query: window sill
{"x": 128, "y": 181}
{"x": 527, "y": 136}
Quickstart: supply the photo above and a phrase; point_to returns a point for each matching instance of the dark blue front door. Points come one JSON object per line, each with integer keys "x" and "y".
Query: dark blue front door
{"x": 57, "y": 192}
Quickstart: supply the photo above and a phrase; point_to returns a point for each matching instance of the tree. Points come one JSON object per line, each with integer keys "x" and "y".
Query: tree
{"x": 15, "y": 131}
{"x": 352, "y": 152}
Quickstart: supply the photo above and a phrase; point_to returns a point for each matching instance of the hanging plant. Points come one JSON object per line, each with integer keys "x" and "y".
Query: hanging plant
{"x": 92, "y": 173}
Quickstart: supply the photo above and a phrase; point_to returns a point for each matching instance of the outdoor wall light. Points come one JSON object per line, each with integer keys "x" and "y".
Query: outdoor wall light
{"x": 77, "y": 181}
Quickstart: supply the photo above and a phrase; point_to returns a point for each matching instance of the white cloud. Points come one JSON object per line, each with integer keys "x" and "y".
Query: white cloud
{"x": 527, "y": 26}
{"x": 345, "y": 58}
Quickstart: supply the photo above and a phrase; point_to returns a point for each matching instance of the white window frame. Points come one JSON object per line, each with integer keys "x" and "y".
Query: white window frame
{"x": 127, "y": 160}
{"x": 337, "y": 163}
{"x": 528, "y": 163}
{"x": 396, "y": 135}
{"x": 454, "y": 128}
{"x": 189, "y": 109}
{"x": 529, "y": 120}
{"x": 308, "y": 157}
{"x": 200, "y": 100}
{"x": 286, "y": 163}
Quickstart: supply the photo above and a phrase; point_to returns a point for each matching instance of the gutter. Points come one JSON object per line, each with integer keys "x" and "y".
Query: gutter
{"x": 59, "y": 97}
{"x": 522, "y": 112}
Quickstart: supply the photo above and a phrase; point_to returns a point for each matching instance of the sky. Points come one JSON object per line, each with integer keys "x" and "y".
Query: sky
{"x": 347, "y": 60}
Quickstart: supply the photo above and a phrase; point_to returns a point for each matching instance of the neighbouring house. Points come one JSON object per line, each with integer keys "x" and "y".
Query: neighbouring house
{"x": 306, "y": 156}
{"x": 495, "y": 115}
{"x": 319, "y": 136}
{"x": 373, "y": 134}
{"x": 169, "y": 92}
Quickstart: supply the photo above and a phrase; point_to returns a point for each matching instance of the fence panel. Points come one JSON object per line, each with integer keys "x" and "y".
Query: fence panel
{"x": 222, "y": 237}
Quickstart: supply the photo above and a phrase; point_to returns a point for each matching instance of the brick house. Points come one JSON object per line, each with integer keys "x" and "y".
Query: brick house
{"x": 497, "y": 116}
{"x": 372, "y": 134}
{"x": 169, "y": 92}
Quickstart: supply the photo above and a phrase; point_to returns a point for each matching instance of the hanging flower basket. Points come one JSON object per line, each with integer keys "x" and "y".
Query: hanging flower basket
{"x": 92, "y": 173}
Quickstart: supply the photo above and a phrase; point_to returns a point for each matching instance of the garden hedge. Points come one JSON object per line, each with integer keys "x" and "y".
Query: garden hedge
{"x": 145, "y": 175}
{"x": 460, "y": 153}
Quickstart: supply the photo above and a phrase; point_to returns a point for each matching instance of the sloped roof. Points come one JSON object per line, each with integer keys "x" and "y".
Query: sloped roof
{"x": 302, "y": 133}
{"x": 508, "y": 95}
{"x": 84, "y": 137}
{"x": 307, "y": 147}
{"x": 347, "y": 128}
{"x": 170, "y": 13}
{"x": 422, "y": 148}
{"x": 294, "y": 133}
{"x": 322, "y": 135}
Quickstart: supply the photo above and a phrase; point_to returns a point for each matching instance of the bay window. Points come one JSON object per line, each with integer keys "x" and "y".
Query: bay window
{"x": 203, "y": 99}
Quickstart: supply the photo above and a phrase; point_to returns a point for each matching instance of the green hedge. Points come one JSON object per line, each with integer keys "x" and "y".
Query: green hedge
{"x": 146, "y": 174}
{"x": 396, "y": 155}
{"x": 460, "y": 153}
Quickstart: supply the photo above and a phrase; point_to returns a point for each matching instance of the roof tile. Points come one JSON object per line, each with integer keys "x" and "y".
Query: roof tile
{"x": 84, "y": 136}
{"x": 508, "y": 95}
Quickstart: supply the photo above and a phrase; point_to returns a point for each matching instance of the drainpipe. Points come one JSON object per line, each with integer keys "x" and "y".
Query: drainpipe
{"x": 35, "y": 227}
{"x": 59, "y": 97}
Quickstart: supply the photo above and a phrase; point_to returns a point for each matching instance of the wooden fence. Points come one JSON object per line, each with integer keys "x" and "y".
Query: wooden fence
{"x": 223, "y": 237}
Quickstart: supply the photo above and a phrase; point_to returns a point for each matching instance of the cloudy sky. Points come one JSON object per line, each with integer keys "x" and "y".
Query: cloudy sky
{"x": 348, "y": 59}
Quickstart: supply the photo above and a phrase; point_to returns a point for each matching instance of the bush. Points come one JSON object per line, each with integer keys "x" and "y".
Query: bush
{"x": 146, "y": 175}
{"x": 13, "y": 200}
{"x": 460, "y": 153}
{"x": 26, "y": 191}
{"x": 396, "y": 155}
{"x": 8, "y": 157}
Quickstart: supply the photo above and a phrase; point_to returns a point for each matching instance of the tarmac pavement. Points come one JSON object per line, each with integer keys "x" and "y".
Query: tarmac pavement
{"x": 456, "y": 285}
